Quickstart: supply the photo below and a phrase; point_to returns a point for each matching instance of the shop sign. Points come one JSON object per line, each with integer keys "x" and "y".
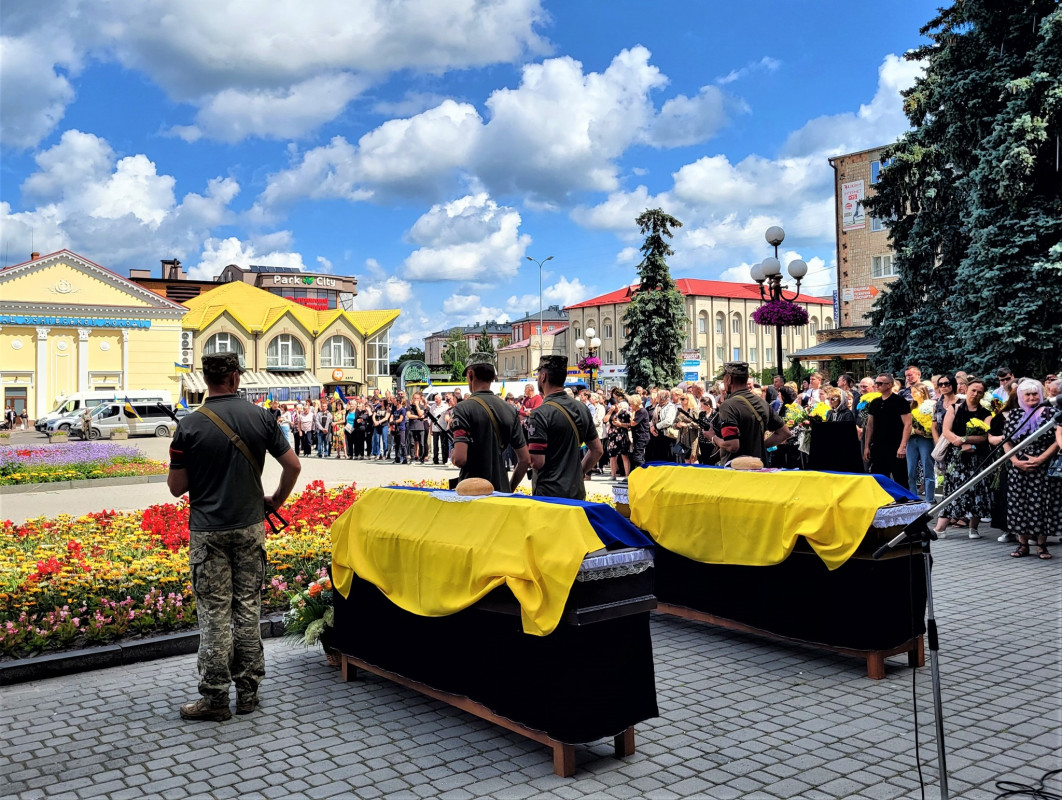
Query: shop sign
{"x": 337, "y": 375}
{"x": 306, "y": 280}
{"x": 80, "y": 322}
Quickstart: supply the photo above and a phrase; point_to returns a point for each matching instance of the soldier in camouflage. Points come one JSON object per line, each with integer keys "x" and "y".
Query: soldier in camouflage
{"x": 227, "y": 508}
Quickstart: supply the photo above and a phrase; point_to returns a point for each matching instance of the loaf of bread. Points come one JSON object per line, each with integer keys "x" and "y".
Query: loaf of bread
{"x": 475, "y": 487}
{"x": 746, "y": 463}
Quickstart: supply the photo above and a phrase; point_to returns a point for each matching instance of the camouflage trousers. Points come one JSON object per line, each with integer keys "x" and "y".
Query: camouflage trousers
{"x": 228, "y": 568}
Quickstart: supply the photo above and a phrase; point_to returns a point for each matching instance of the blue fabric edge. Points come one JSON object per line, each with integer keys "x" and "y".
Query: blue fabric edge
{"x": 612, "y": 528}
{"x": 894, "y": 489}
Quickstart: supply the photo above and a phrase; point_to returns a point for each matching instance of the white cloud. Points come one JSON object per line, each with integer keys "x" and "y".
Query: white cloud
{"x": 876, "y": 123}
{"x": 618, "y": 212}
{"x": 685, "y": 121}
{"x": 219, "y": 253}
{"x": 324, "y": 264}
{"x": 820, "y": 280}
{"x": 765, "y": 64}
{"x": 469, "y": 239}
{"x": 461, "y": 303}
{"x": 119, "y": 211}
{"x": 288, "y": 112}
{"x": 275, "y": 62}
{"x": 391, "y": 292}
{"x": 563, "y": 293}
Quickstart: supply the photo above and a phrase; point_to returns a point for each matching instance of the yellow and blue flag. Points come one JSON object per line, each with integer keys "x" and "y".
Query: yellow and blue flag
{"x": 338, "y": 394}
{"x": 181, "y": 369}
{"x": 183, "y": 404}
{"x": 129, "y": 407}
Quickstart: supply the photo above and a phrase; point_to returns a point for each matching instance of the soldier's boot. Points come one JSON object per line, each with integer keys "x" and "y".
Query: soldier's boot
{"x": 202, "y": 710}
{"x": 246, "y": 703}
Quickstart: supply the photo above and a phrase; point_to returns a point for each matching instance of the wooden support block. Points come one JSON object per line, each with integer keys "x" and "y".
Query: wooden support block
{"x": 875, "y": 665}
{"x": 625, "y": 743}
{"x": 350, "y": 672}
{"x": 563, "y": 759}
{"x": 916, "y": 656}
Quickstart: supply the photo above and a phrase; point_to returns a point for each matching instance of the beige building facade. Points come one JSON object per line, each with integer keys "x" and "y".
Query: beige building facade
{"x": 719, "y": 325}
{"x": 68, "y": 325}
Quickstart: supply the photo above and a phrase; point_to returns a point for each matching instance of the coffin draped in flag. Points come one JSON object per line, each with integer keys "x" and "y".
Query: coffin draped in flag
{"x": 433, "y": 553}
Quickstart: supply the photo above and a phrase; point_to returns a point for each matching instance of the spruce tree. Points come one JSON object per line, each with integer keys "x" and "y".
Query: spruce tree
{"x": 973, "y": 193}
{"x": 483, "y": 343}
{"x": 656, "y": 315}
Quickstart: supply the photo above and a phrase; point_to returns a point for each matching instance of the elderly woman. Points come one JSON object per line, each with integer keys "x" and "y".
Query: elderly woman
{"x": 964, "y": 458}
{"x": 1032, "y": 502}
{"x": 840, "y": 410}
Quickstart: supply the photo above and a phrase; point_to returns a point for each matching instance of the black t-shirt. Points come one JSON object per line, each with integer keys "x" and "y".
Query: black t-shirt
{"x": 470, "y": 423}
{"x": 552, "y": 432}
{"x": 224, "y": 490}
{"x": 640, "y": 426}
{"x": 888, "y": 421}
{"x": 747, "y": 417}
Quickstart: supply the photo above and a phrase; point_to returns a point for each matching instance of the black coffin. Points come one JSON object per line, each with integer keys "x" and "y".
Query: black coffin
{"x": 591, "y": 678}
{"x": 862, "y": 605}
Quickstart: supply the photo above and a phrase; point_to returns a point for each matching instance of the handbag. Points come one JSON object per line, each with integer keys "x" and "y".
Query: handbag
{"x": 671, "y": 432}
{"x": 348, "y": 428}
{"x": 940, "y": 449}
{"x": 1054, "y": 469}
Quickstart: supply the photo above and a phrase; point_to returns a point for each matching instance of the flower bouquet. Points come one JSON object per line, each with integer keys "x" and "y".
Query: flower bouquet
{"x": 589, "y": 363}
{"x": 310, "y": 616}
{"x": 976, "y": 427}
{"x": 819, "y": 412}
{"x": 780, "y": 312}
{"x": 799, "y": 422}
{"x": 866, "y": 399}
{"x": 922, "y": 417}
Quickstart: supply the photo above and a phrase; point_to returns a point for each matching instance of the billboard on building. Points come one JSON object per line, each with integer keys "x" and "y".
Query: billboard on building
{"x": 853, "y": 214}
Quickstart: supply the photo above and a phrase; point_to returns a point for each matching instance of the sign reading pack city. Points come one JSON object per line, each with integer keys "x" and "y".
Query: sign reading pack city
{"x": 413, "y": 372}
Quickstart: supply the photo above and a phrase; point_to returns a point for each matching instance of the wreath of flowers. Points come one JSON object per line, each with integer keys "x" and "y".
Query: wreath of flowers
{"x": 780, "y": 312}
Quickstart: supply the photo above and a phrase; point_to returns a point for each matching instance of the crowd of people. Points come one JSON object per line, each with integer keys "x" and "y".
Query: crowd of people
{"x": 929, "y": 435}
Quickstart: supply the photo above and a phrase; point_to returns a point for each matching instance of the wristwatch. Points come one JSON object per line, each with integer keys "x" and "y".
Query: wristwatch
{"x": 964, "y": 440}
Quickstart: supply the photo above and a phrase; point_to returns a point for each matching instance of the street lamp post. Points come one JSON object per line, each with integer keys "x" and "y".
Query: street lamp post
{"x": 540, "y": 263}
{"x": 769, "y": 271}
{"x": 591, "y": 343}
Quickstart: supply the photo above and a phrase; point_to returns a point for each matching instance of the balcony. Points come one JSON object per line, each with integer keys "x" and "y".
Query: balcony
{"x": 285, "y": 364}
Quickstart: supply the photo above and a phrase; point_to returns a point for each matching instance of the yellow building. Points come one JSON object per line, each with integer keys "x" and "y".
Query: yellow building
{"x": 291, "y": 352}
{"x": 68, "y": 325}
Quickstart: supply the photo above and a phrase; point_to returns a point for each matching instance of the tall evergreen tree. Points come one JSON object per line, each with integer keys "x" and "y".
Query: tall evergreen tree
{"x": 656, "y": 315}
{"x": 973, "y": 194}
{"x": 483, "y": 343}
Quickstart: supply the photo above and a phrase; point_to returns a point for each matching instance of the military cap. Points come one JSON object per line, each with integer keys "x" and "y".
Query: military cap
{"x": 477, "y": 358}
{"x": 553, "y": 362}
{"x": 738, "y": 369}
{"x": 221, "y": 364}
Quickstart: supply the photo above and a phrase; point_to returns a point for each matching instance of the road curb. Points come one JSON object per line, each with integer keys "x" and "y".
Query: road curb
{"x": 55, "y": 665}
{"x": 81, "y": 483}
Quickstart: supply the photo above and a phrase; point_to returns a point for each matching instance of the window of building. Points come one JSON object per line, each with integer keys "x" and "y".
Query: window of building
{"x": 338, "y": 351}
{"x": 608, "y": 329}
{"x": 702, "y": 324}
{"x": 736, "y": 354}
{"x": 877, "y": 224}
{"x": 702, "y": 353}
{"x": 285, "y": 352}
{"x": 752, "y": 325}
{"x": 735, "y": 324}
{"x": 768, "y": 354}
{"x": 378, "y": 354}
{"x": 719, "y": 353}
{"x": 608, "y": 357}
{"x": 752, "y": 355}
{"x": 550, "y": 327}
{"x": 814, "y": 323}
{"x": 719, "y": 322}
{"x": 829, "y": 323}
{"x": 875, "y": 169}
{"x": 881, "y": 267}
{"x": 223, "y": 343}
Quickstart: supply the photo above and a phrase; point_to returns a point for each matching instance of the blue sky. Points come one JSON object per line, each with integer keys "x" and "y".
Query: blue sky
{"x": 428, "y": 147}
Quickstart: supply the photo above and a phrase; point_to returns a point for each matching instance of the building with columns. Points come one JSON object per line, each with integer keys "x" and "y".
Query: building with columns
{"x": 69, "y": 325}
{"x": 719, "y": 325}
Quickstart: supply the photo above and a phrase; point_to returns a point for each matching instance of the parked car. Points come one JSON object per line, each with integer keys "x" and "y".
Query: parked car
{"x": 149, "y": 420}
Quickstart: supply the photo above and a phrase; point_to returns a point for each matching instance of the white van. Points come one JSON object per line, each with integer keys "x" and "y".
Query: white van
{"x": 149, "y": 420}
{"x": 72, "y": 406}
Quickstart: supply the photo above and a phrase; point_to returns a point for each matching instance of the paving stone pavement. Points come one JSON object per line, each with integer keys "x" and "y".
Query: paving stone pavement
{"x": 740, "y": 717}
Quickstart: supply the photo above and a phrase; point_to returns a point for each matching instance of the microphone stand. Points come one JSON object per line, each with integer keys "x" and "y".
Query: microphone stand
{"x": 919, "y": 530}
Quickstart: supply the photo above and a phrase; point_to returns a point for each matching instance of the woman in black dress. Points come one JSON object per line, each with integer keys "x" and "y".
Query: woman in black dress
{"x": 1032, "y": 501}
{"x": 964, "y": 459}
{"x": 619, "y": 438}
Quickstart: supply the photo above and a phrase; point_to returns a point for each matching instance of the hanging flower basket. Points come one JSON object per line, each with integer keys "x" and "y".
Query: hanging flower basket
{"x": 780, "y": 312}
{"x": 590, "y": 362}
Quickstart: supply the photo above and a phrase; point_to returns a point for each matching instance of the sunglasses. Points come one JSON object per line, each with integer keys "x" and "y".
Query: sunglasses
{"x": 881, "y": 383}
{"x": 943, "y": 383}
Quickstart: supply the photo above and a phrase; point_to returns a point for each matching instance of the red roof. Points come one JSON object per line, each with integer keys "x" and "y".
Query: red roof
{"x": 691, "y": 286}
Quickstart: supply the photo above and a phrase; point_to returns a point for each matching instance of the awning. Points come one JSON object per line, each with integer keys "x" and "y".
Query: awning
{"x": 859, "y": 348}
{"x": 257, "y": 381}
